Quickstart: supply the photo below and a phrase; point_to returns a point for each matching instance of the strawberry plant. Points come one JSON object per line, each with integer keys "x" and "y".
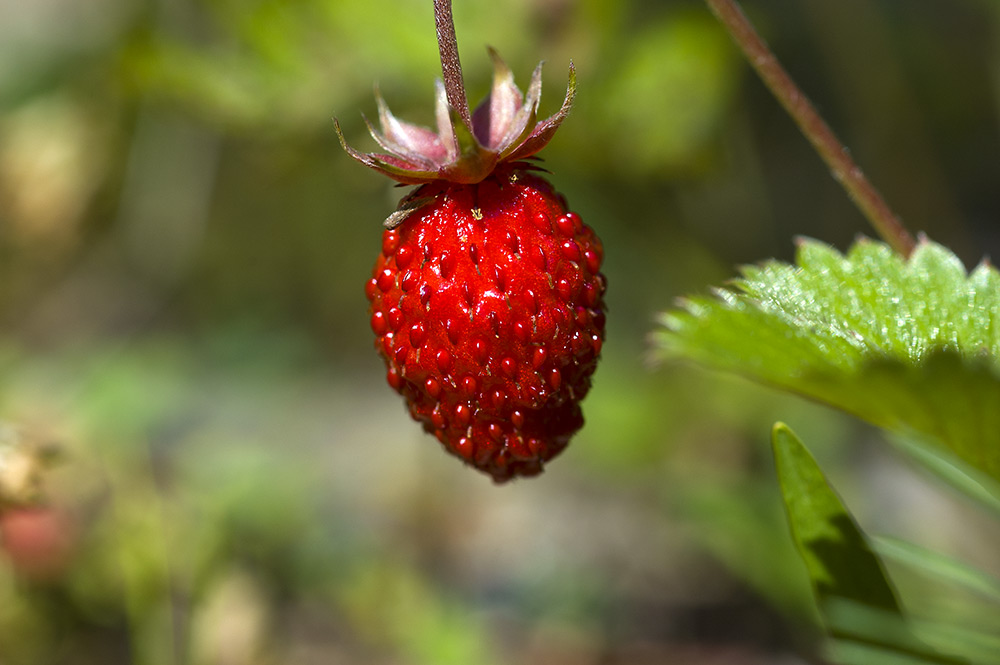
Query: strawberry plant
{"x": 487, "y": 306}
{"x": 487, "y": 298}
{"x": 237, "y": 484}
{"x": 898, "y": 334}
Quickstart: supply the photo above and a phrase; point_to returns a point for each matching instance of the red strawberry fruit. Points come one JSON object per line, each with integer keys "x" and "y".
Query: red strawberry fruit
{"x": 487, "y": 298}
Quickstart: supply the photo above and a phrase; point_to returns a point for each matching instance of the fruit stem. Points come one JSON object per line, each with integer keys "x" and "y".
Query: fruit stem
{"x": 451, "y": 66}
{"x": 837, "y": 157}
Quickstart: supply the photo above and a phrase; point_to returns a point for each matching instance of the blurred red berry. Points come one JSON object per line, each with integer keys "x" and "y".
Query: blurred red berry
{"x": 38, "y": 541}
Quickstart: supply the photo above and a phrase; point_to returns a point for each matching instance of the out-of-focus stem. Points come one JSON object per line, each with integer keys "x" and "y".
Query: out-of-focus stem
{"x": 451, "y": 66}
{"x": 834, "y": 153}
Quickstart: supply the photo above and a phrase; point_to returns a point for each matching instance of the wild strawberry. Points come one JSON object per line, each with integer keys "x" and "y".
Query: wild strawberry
{"x": 487, "y": 298}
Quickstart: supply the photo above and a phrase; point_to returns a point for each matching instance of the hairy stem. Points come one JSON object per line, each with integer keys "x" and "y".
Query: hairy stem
{"x": 834, "y": 153}
{"x": 451, "y": 66}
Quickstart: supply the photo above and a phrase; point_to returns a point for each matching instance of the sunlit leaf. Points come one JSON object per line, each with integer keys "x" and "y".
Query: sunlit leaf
{"x": 911, "y": 346}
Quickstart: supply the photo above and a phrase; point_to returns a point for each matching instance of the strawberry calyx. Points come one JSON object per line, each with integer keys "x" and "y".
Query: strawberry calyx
{"x": 503, "y": 128}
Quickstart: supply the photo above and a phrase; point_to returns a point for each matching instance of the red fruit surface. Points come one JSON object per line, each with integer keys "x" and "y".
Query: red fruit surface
{"x": 487, "y": 304}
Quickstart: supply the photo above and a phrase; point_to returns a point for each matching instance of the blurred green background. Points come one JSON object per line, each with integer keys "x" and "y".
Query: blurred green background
{"x": 183, "y": 246}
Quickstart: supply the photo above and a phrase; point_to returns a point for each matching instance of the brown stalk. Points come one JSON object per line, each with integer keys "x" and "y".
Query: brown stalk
{"x": 451, "y": 66}
{"x": 864, "y": 195}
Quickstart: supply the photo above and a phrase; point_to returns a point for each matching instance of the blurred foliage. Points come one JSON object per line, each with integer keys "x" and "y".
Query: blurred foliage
{"x": 182, "y": 252}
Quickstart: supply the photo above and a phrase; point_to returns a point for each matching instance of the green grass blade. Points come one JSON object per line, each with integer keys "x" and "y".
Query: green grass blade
{"x": 940, "y": 567}
{"x": 852, "y": 652}
{"x": 871, "y": 636}
{"x": 943, "y": 463}
{"x": 976, "y": 645}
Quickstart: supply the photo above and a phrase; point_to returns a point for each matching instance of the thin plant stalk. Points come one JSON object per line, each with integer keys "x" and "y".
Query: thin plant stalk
{"x": 864, "y": 195}
{"x": 451, "y": 66}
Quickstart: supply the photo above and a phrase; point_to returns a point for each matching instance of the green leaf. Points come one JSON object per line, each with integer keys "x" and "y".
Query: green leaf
{"x": 911, "y": 346}
{"x": 841, "y": 564}
{"x": 856, "y": 598}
